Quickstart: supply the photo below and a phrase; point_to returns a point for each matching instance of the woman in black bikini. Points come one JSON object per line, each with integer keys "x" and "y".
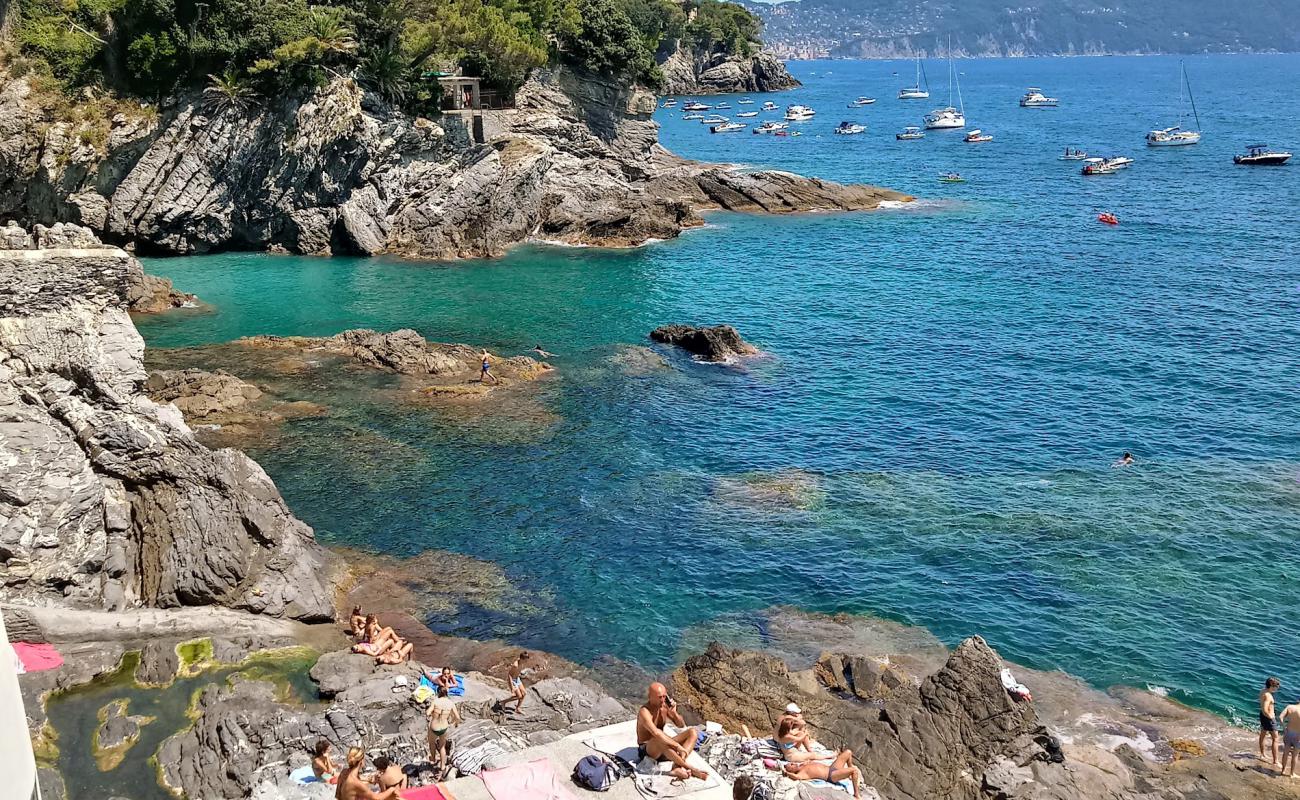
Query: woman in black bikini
{"x": 839, "y": 769}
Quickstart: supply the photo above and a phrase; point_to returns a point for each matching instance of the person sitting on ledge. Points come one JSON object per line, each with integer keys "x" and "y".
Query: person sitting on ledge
{"x": 839, "y": 769}
{"x": 388, "y": 775}
{"x": 795, "y": 741}
{"x": 352, "y": 787}
{"x": 376, "y": 639}
{"x": 658, "y": 711}
{"x": 322, "y": 764}
{"x": 357, "y": 622}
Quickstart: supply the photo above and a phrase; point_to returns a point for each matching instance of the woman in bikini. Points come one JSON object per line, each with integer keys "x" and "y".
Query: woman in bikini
{"x": 442, "y": 715}
{"x": 322, "y": 764}
{"x": 398, "y": 651}
{"x": 834, "y": 772}
{"x": 357, "y": 622}
{"x": 376, "y": 640}
{"x": 796, "y": 744}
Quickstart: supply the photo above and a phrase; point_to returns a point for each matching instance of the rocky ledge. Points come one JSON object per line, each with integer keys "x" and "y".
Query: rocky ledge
{"x": 689, "y": 71}
{"x": 716, "y": 343}
{"x": 107, "y": 501}
{"x": 577, "y": 161}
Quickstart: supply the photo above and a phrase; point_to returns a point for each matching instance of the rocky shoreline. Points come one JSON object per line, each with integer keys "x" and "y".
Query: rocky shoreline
{"x": 688, "y": 72}
{"x": 146, "y": 541}
{"x": 576, "y": 161}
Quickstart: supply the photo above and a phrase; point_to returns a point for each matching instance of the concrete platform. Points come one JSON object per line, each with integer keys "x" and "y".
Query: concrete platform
{"x": 567, "y": 752}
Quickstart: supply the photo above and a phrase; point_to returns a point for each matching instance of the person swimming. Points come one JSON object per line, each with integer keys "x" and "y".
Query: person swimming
{"x": 539, "y": 351}
{"x": 1125, "y": 460}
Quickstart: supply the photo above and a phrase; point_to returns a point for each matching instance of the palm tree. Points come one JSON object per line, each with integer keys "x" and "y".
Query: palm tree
{"x": 329, "y": 27}
{"x": 229, "y": 90}
{"x": 385, "y": 71}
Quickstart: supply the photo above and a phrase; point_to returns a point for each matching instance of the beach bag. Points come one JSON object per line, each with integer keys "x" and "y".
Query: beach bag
{"x": 595, "y": 773}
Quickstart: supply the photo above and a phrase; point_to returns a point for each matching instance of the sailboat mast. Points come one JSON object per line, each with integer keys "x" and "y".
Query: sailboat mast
{"x": 950, "y": 70}
{"x": 1192, "y": 99}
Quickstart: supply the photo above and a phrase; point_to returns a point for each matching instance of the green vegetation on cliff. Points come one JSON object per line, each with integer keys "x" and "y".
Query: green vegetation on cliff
{"x": 243, "y": 49}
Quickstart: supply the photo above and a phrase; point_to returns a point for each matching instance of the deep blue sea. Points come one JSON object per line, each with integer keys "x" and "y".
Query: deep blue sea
{"x": 932, "y": 435}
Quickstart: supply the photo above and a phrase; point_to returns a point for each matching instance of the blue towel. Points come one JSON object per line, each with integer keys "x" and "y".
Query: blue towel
{"x": 456, "y": 691}
{"x": 304, "y": 775}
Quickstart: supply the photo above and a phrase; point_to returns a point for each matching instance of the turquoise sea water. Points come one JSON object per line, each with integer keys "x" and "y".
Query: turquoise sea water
{"x": 946, "y": 389}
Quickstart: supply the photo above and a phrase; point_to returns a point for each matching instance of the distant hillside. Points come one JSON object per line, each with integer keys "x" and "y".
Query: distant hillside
{"x": 892, "y": 28}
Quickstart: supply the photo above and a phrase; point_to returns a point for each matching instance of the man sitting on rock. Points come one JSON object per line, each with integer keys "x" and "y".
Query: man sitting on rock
{"x": 658, "y": 711}
{"x": 353, "y": 787}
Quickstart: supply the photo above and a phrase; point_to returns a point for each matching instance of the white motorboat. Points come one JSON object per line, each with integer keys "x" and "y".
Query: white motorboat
{"x": 915, "y": 91}
{"x": 1097, "y": 166}
{"x": 978, "y": 135}
{"x": 1260, "y": 155}
{"x": 771, "y": 127}
{"x": 724, "y": 104}
{"x": 748, "y": 114}
{"x": 1034, "y": 98}
{"x": 727, "y": 127}
{"x": 950, "y": 116}
{"x": 669, "y": 103}
{"x": 1176, "y": 135}
{"x": 1073, "y": 155}
{"x": 745, "y": 101}
{"x": 1119, "y": 162}
{"x": 910, "y": 132}
{"x": 769, "y": 106}
{"x": 798, "y": 113}
{"x": 696, "y": 105}
{"x": 713, "y": 119}
{"x": 847, "y": 128}
{"x": 692, "y": 116}
{"x": 862, "y": 101}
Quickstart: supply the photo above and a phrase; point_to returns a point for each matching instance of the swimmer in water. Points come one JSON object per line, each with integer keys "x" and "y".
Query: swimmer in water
{"x": 1125, "y": 460}
{"x": 539, "y": 351}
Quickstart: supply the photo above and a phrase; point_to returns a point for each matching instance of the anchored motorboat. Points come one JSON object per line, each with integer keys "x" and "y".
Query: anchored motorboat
{"x": 798, "y": 113}
{"x": 1119, "y": 162}
{"x": 727, "y": 127}
{"x": 1034, "y": 98}
{"x": 771, "y": 127}
{"x": 713, "y": 119}
{"x": 669, "y": 103}
{"x": 769, "y": 106}
{"x": 692, "y": 116}
{"x": 862, "y": 101}
{"x": 1098, "y": 166}
{"x": 748, "y": 114}
{"x": 745, "y": 101}
{"x": 1074, "y": 155}
{"x": 978, "y": 135}
{"x": 951, "y": 177}
{"x": 723, "y": 104}
{"x": 847, "y": 128}
{"x": 696, "y": 105}
{"x": 1259, "y": 155}
{"x": 910, "y": 132}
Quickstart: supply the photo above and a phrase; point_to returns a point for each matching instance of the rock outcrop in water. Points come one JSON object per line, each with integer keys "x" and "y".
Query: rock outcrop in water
{"x": 689, "y": 71}
{"x": 577, "y": 161}
{"x": 106, "y": 499}
{"x": 716, "y": 343}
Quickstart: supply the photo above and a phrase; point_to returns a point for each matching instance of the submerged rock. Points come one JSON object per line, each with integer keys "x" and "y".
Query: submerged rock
{"x": 117, "y": 733}
{"x": 717, "y": 343}
{"x": 791, "y": 489}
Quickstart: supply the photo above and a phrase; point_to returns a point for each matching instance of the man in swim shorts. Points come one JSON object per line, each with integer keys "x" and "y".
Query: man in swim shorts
{"x": 1290, "y": 736}
{"x": 442, "y": 715}
{"x": 1268, "y": 716}
{"x": 652, "y": 741}
{"x": 517, "y": 691}
{"x": 486, "y": 371}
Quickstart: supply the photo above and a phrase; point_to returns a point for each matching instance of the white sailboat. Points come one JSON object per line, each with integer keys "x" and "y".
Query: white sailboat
{"x": 949, "y": 117}
{"x": 915, "y": 92}
{"x": 1176, "y": 135}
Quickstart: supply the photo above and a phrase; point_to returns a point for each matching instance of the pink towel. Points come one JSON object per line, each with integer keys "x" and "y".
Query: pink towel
{"x": 422, "y": 793}
{"x": 535, "y": 780}
{"x": 37, "y": 657}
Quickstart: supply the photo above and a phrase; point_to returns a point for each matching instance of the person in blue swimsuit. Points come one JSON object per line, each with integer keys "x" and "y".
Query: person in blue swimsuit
{"x": 486, "y": 371}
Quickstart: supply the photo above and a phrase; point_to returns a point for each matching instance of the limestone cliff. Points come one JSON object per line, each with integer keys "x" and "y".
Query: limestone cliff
{"x": 106, "y": 499}
{"x": 689, "y": 71}
{"x": 340, "y": 172}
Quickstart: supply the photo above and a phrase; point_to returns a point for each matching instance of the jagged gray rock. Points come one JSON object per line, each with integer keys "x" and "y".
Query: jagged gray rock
{"x": 199, "y": 394}
{"x": 689, "y": 71}
{"x": 106, "y": 498}
{"x": 716, "y": 343}
{"x": 577, "y": 161}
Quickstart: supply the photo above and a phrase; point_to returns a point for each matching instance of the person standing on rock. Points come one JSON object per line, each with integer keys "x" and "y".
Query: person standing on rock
{"x": 652, "y": 741}
{"x": 442, "y": 715}
{"x": 517, "y": 691}
{"x": 353, "y": 787}
{"x": 1268, "y": 716}
{"x": 486, "y": 371}
{"x": 1290, "y": 736}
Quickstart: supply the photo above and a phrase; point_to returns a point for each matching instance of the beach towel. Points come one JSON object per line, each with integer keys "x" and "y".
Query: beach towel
{"x": 1015, "y": 688}
{"x": 36, "y": 657}
{"x": 422, "y": 793}
{"x": 471, "y": 761}
{"x": 304, "y": 775}
{"x": 456, "y": 691}
{"x": 535, "y": 780}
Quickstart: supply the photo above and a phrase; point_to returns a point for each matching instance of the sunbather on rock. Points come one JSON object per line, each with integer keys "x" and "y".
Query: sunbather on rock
{"x": 376, "y": 639}
{"x": 398, "y": 651}
{"x": 839, "y": 769}
{"x": 353, "y": 787}
{"x": 658, "y": 711}
{"x": 796, "y": 742}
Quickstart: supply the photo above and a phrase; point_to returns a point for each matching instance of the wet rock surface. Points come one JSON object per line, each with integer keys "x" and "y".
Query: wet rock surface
{"x": 716, "y": 343}
{"x": 116, "y": 734}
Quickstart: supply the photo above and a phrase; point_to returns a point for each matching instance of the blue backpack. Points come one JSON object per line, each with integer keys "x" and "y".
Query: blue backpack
{"x": 595, "y": 772}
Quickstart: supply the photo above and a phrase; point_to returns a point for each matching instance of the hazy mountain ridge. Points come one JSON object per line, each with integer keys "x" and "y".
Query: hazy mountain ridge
{"x": 896, "y": 28}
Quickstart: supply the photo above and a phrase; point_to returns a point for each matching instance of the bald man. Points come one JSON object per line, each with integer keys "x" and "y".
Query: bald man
{"x": 658, "y": 711}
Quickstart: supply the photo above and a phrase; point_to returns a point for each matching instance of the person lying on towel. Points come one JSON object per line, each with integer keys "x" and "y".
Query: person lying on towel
{"x": 658, "y": 711}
